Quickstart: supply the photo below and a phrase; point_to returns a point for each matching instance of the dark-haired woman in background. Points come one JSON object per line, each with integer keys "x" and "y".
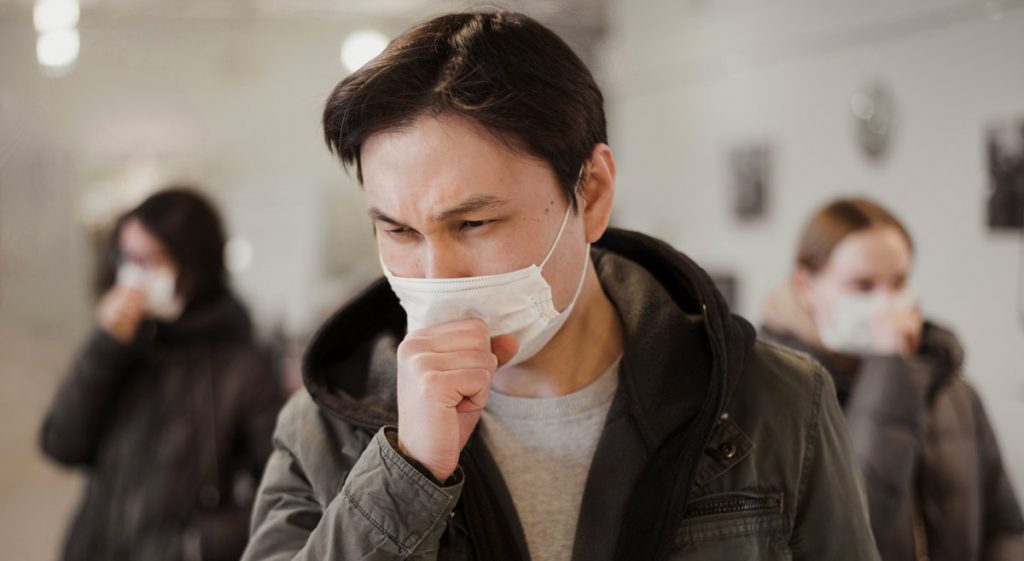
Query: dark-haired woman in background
{"x": 169, "y": 405}
{"x": 935, "y": 482}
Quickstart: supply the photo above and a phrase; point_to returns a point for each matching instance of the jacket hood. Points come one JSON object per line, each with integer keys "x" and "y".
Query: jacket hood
{"x": 682, "y": 348}
{"x": 782, "y": 314}
{"x": 220, "y": 319}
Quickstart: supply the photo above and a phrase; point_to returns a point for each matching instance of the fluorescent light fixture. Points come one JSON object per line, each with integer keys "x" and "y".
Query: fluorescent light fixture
{"x": 360, "y": 47}
{"x": 55, "y": 15}
{"x": 57, "y": 49}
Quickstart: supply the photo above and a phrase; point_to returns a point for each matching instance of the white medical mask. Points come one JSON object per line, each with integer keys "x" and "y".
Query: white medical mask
{"x": 158, "y": 285}
{"x": 516, "y": 303}
{"x": 850, "y": 330}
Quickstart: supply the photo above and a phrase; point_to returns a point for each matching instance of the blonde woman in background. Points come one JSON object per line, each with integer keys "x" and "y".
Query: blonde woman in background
{"x": 935, "y": 482}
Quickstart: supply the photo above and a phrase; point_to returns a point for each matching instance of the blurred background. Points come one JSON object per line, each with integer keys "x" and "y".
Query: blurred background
{"x": 731, "y": 121}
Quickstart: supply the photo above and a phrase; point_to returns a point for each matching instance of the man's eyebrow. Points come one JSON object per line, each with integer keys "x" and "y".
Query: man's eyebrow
{"x": 378, "y": 215}
{"x": 472, "y": 204}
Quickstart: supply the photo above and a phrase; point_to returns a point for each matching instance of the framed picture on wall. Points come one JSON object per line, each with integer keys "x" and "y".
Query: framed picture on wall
{"x": 750, "y": 171}
{"x": 1005, "y": 155}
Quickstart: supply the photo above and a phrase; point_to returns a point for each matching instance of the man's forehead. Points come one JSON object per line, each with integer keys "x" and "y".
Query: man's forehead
{"x": 432, "y": 137}
{"x": 401, "y": 171}
{"x": 432, "y": 196}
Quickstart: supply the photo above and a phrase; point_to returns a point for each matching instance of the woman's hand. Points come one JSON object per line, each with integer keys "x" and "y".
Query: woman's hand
{"x": 120, "y": 312}
{"x": 897, "y": 330}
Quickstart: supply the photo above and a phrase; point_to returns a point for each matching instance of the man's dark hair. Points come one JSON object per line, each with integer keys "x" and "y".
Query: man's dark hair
{"x": 190, "y": 229}
{"x": 505, "y": 71}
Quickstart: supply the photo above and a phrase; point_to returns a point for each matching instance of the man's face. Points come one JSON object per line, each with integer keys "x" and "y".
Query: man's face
{"x": 449, "y": 199}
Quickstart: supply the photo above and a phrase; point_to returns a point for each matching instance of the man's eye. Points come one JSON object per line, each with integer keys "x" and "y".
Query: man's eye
{"x": 473, "y": 224}
{"x": 399, "y": 232}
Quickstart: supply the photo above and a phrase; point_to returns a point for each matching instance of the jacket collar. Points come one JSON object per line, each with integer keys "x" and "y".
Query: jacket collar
{"x": 218, "y": 319}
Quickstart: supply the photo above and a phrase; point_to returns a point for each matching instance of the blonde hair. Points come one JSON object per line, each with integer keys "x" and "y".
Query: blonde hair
{"x": 832, "y": 223}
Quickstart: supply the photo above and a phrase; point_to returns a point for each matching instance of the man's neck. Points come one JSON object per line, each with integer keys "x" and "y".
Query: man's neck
{"x": 586, "y": 346}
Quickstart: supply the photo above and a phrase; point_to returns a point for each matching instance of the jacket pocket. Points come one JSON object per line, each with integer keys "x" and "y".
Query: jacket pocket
{"x": 726, "y": 504}
{"x": 735, "y": 526}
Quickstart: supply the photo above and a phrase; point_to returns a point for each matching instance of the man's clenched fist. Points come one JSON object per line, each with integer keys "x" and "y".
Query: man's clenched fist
{"x": 444, "y": 376}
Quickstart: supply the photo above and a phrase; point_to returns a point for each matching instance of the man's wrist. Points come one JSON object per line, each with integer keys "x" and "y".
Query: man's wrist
{"x": 438, "y": 478}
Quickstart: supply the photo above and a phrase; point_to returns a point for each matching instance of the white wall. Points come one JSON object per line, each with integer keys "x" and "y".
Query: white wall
{"x": 234, "y": 106}
{"x": 688, "y": 81}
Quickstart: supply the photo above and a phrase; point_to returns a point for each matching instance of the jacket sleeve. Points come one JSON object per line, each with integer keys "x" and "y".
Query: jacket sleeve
{"x": 224, "y": 532}
{"x": 74, "y": 426}
{"x": 260, "y": 409}
{"x": 385, "y": 509}
{"x": 885, "y": 413}
{"x": 831, "y": 519}
{"x": 1003, "y": 523}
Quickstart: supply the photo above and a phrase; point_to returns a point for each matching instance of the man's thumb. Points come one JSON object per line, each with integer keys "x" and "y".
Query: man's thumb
{"x": 504, "y": 347}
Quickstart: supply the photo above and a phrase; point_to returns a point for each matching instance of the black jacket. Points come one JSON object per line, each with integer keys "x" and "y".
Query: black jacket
{"x": 173, "y": 432}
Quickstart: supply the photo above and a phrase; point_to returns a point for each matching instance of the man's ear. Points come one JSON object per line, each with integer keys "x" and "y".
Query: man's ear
{"x": 597, "y": 192}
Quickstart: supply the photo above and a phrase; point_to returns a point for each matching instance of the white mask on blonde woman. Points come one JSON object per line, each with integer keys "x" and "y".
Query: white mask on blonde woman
{"x": 850, "y": 330}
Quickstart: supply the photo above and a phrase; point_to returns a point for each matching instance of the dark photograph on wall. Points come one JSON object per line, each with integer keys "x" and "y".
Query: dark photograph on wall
{"x": 750, "y": 167}
{"x": 1005, "y": 147}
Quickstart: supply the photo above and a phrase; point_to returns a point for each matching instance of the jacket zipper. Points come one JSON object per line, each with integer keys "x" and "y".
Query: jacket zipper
{"x": 735, "y": 505}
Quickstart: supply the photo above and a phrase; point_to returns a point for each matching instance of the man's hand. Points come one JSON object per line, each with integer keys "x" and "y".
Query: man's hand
{"x": 444, "y": 377}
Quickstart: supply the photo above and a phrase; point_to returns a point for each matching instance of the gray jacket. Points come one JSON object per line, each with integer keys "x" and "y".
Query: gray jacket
{"x": 717, "y": 446}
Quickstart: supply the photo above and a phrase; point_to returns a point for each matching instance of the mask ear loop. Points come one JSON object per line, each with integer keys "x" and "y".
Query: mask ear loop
{"x": 565, "y": 220}
{"x": 586, "y": 255}
{"x": 583, "y": 278}
{"x": 561, "y": 229}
